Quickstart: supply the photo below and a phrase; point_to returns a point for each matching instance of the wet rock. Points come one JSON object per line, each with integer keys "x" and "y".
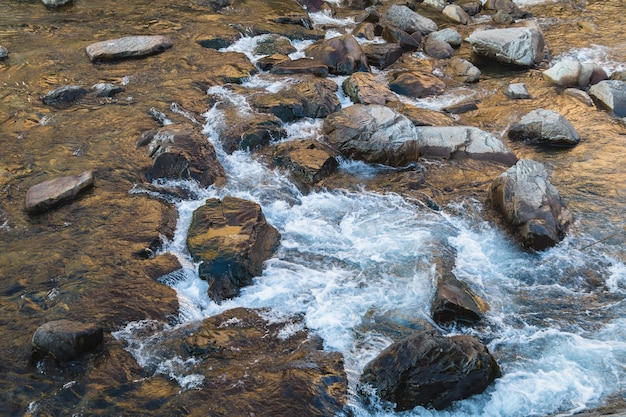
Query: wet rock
{"x": 416, "y": 84}
{"x": 128, "y": 47}
{"x": 52, "y": 193}
{"x": 571, "y": 73}
{"x": 65, "y": 340}
{"x": 309, "y": 160}
{"x": 531, "y": 205}
{"x": 579, "y": 95}
{"x": 406, "y": 19}
{"x": 545, "y": 127}
{"x": 372, "y": 133}
{"x": 517, "y": 91}
{"x": 231, "y": 239}
{"x": 507, "y": 6}
{"x": 421, "y": 117}
{"x": 4, "y": 53}
{"x": 464, "y": 70}
{"x": 64, "y": 96}
{"x": 215, "y": 5}
{"x": 228, "y": 67}
{"x": 363, "y": 87}
{"x": 407, "y": 42}
{"x": 106, "y": 89}
{"x": 55, "y": 3}
{"x": 612, "y": 95}
{"x": 448, "y": 35}
{"x": 471, "y": 7}
{"x": 295, "y": 18}
{"x": 342, "y": 55}
{"x": 455, "y": 302}
{"x": 301, "y": 66}
{"x": 456, "y": 14}
{"x": 430, "y": 370}
{"x": 217, "y": 41}
{"x": 183, "y": 153}
{"x": 520, "y": 46}
{"x": 365, "y": 30}
{"x": 274, "y": 44}
{"x": 382, "y": 55}
{"x": 438, "y": 49}
{"x": 266, "y": 63}
{"x": 459, "y": 142}
{"x": 251, "y": 132}
{"x": 462, "y": 107}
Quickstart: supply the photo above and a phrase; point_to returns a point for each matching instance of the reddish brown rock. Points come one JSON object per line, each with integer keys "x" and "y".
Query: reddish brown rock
{"x": 48, "y": 194}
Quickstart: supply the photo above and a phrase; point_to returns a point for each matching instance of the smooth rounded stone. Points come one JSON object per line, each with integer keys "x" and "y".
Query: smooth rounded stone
{"x": 231, "y": 239}
{"x": 300, "y": 66}
{"x": 372, "y": 133}
{"x": 507, "y": 6}
{"x": 55, "y": 3}
{"x": 106, "y": 89}
{"x": 545, "y": 127}
{"x": 438, "y": 49}
{"x": 65, "y": 340}
{"x": 435, "y": 4}
{"x": 407, "y": 20}
{"x": 4, "y": 53}
{"x": 520, "y": 46}
{"x": 365, "y": 30}
{"x": 502, "y": 18}
{"x": 274, "y": 44}
{"x": 382, "y": 55}
{"x": 517, "y": 91}
{"x": 455, "y": 302}
{"x": 611, "y": 94}
{"x": 51, "y": 193}
{"x": 416, "y": 84}
{"x": 531, "y": 205}
{"x": 363, "y": 87}
{"x": 128, "y": 47}
{"x": 342, "y": 55}
{"x": 448, "y": 35}
{"x": 430, "y": 370}
{"x": 406, "y": 41}
{"x": 421, "y": 117}
{"x": 464, "y": 70}
{"x": 310, "y": 161}
{"x": 460, "y": 142}
{"x": 471, "y": 7}
{"x": 64, "y": 96}
{"x": 579, "y": 95}
{"x": 456, "y": 14}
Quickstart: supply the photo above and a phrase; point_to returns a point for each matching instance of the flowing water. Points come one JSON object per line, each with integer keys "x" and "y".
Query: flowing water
{"x": 358, "y": 264}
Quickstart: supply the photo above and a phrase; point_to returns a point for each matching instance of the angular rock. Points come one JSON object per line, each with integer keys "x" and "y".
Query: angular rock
{"x": 232, "y": 240}
{"x": 545, "y": 127}
{"x": 342, "y": 55}
{"x": 406, "y": 41}
{"x": 416, "y": 84}
{"x": 448, "y": 35}
{"x": 431, "y": 370}
{"x": 406, "y": 19}
{"x": 295, "y": 18}
{"x": 382, "y": 55}
{"x": 309, "y": 160}
{"x": 301, "y": 66}
{"x": 363, "y": 87}
{"x": 251, "y": 132}
{"x": 438, "y": 49}
{"x": 464, "y": 70}
{"x": 372, "y": 133}
{"x": 517, "y": 91}
{"x": 471, "y": 7}
{"x": 106, "y": 89}
{"x": 4, "y": 53}
{"x": 128, "y": 47}
{"x": 531, "y": 205}
{"x": 435, "y": 4}
{"x": 507, "y": 6}
{"x": 612, "y": 95}
{"x": 266, "y": 63}
{"x": 462, "y": 107}
{"x": 456, "y": 14}
{"x": 64, "y": 96}
{"x": 520, "y": 46}
{"x": 55, "y": 3}
{"x": 52, "y": 193}
{"x": 274, "y": 44}
{"x": 455, "y": 302}
{"x": 503, "y": 18}
{"x": 65, "y": 340}
{"x": 459, "y": 142}
{"x": 565, "y": 73}
{"x": 365, "y": 30}
{"x": 421, "y": 117}
{"x": 579, "y": 95}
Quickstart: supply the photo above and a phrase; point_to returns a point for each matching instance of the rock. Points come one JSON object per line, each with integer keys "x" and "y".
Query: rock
{"x": 4, "y": 53}
{"x": 231, "y": 239}
{"x": 106, "y": 89}
{"x": 416, "y": 84}
{"x": 531, "y": 205}
{"x": 462, "y": 107}
{"x": 301, "y": 66}
{"x": 464, "y": 70}
{"x": 448, "y": 35}
{"x": 311, "y": 5}
{"x": 618, "y": 75}
{"x": 363, "y": 87}
{"x": 250, "y": 132}
{"x": 55, "y": 3}
{"x": 218, "y": 41}
{"x": 295, "y": 18}
{"x": 274, "y": 44}
{"x": 310, "y": 161}
{"x": 438, "y": 49}
{"x": 365, "y": 30}
{"x": 226, "y": 67}
{"x": 407, "y": 20}
{"x": 435, "y": 4}
{"x": 52, "y": 193}
{"x": 520, "y": 46}
{"x": 579, "y": 95}
{"x": 65, "y": 340}
{"x": 517, "y": 91}
{"x": 545, "y": 127}
{"x": 612, "y": 95}
{"x": 64, "y": 96}
{"x": 431, "y": 370}
{"x": 184, "y": 153}
{"x": 460, "y": 142}
{"x": 471, "y": 7}
{"x": 455, "y": 302}
{"x": 407, "y": 42}
{"x": 565, "y": 73}
{"x": 456, "y": 14}
{"x": 507, "y": 6}
{"x": 503, "y": 18}
{"x": 342, "y": 55}
{"x": 372, "y": 133}
{"x": 382, "y": 55}
{"x": 128, "y": 47}
{"x": 266, "y": 63}
{"x": 421, "y": 117}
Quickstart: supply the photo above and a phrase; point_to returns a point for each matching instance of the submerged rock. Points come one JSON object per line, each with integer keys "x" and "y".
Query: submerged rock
{"x": 520, "y": 46}
{"x": 545, "y": 127}
{"x": 65, "y": 340}
{"x": 612, "y": 95}
{"x": 128, "y": 47}
{"x": 517, "y": 91}
{"x": 49, "y": 194}
{"x": 106, "y": 89}
{"x": 342, "y": 55}
{"x": 64, "y": 96}
{"x": 406, "y": 19}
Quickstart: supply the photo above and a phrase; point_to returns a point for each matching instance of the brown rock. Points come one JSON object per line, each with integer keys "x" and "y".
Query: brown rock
{"x": 417, "y": 84}
{"x": 128, "y": 47}
{"x": 454, "y": 301}
{"x": 301, "y": 66}
{"x": 48, "y": 194}
{"x": 309, "y": 160}
{"x": 65, "y": 340}
{"x": 363, "y": 87}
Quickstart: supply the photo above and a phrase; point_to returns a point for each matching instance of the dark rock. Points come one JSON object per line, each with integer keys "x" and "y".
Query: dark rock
{"x": 416, "y": 84}
{"x": 217, "y": 42}
{"x": 342, "y": 55}
{"x": 382, "y": 55}
{"x": 49, "y": 194}
{"x": 363, "y": 87}
{"x": 215, "y": 5}
{"x": 431, "y": 370}
{"x": 507, "y": 6}
{"x": 295, "y": 18}
{"x": 128, "y": 47}
{"x": 301, "y": 66}
{"x": 531, "y": 205}
{"x": 438, "y": 49}
{"x": 407, "y": 20}
{"x": 106, "y": 89}
{"x": 274, "y": 44}
{"x": 4, "y": 53}
{"x": 64, "y": 96}
{"x": 234, "y": 68}
{"x": 309, "y": 160}
{"x": 517, "y": 91}
{"x": 65, "y": 340}
{"x": 611, "y": 94}
{"x": 365, "y": 30}
{"x": 311, "y": 5}
{"x": 266, "y": 63}
{"x": 455, "y": 302}
{"x": 250, "y": 133}
{"x": 55, "y": 3}
{"x": 421, "y": 117}
{"x": 460, "y": 108}
{"x": 471, "y": 7}
{"x": 370, "y": 14}
{"x": 405, "y": 40}
{"x": 231, "y": 239}
{"x": 519, "y": 46}
{"x": 545, "y": 127}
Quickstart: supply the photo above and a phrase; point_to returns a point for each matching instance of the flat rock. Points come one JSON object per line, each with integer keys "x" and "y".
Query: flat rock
{"x": 65, "y": 340}
{"x": 300, "y": 66}
{"x": 363, "y": 87}
{"x": 49, "y": 194}
{"x": 310, "y": 161}
{"x": 545, "y": 127}
{"x": 128, "y": 47}
{"x": 517, "y": 91}
{"x": 420, "y": 116}
{"x": 64, "y": 96}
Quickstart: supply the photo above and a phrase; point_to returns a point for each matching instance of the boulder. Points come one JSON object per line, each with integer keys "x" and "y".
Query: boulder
{"x": 372, "y": 133}
{"x": 438, "y": 49}
{"x": 612, "y": 95}
{"x": 406, "y": 19}
{"x": 342, "y": 55}
{"x": 416, "y": 84}
{"x": 65, "y": 340}
{"x": 455, "y": 302}
{"x": 545, "y": 127}
{"x": 520, "y": 46}
{"x": 128, "y": 47}
{"x": 52, "y": 193}
{"x": 463, "y": 70}
{"x": 407, "y": 42}
{"x": 310, "y": 161}
{"x": 64, "y": 96}
{"x": 274, "y": 44}
{"x": 456, "y": 14}
{"x": 448, "y": 35}
{"x": 4, "y": 53}
{"x": 363, "y": 87}
{"x": 249, "y": 132}
{"x": 300, "y": 66}
{"x": 55, "y": 3}
{"x": 183, "y": 153}
{"x": 460, "y": 142}
{"x": 218, "y": 41}
{"x": 507, "y": 6}
{"x": 382, "y": 55}
{"x": 531, "y": 205}
{"x": 571, "y": 73}
{"x": 365, "y": 30}
{"x": 430, "y": 370}
{"x": 231, "y": 239}
{"x": 517, "y": 91}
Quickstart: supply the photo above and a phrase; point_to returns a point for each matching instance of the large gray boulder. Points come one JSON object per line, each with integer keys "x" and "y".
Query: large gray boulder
{"x": 545, "y": 127}
{"x": 52, "y": 193}
{"x": 406, "y": 19}
{"x": 128, "y": 47}
{"x": 430, "y": 370}
{"x": 612, "y": 95}
{"x": 520, "y": 46}
{"x": 65, "y": 340}
{"x": 372, "y": 133}
{"x": 342, "y": 55}
{"x": 531, "y": 205}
